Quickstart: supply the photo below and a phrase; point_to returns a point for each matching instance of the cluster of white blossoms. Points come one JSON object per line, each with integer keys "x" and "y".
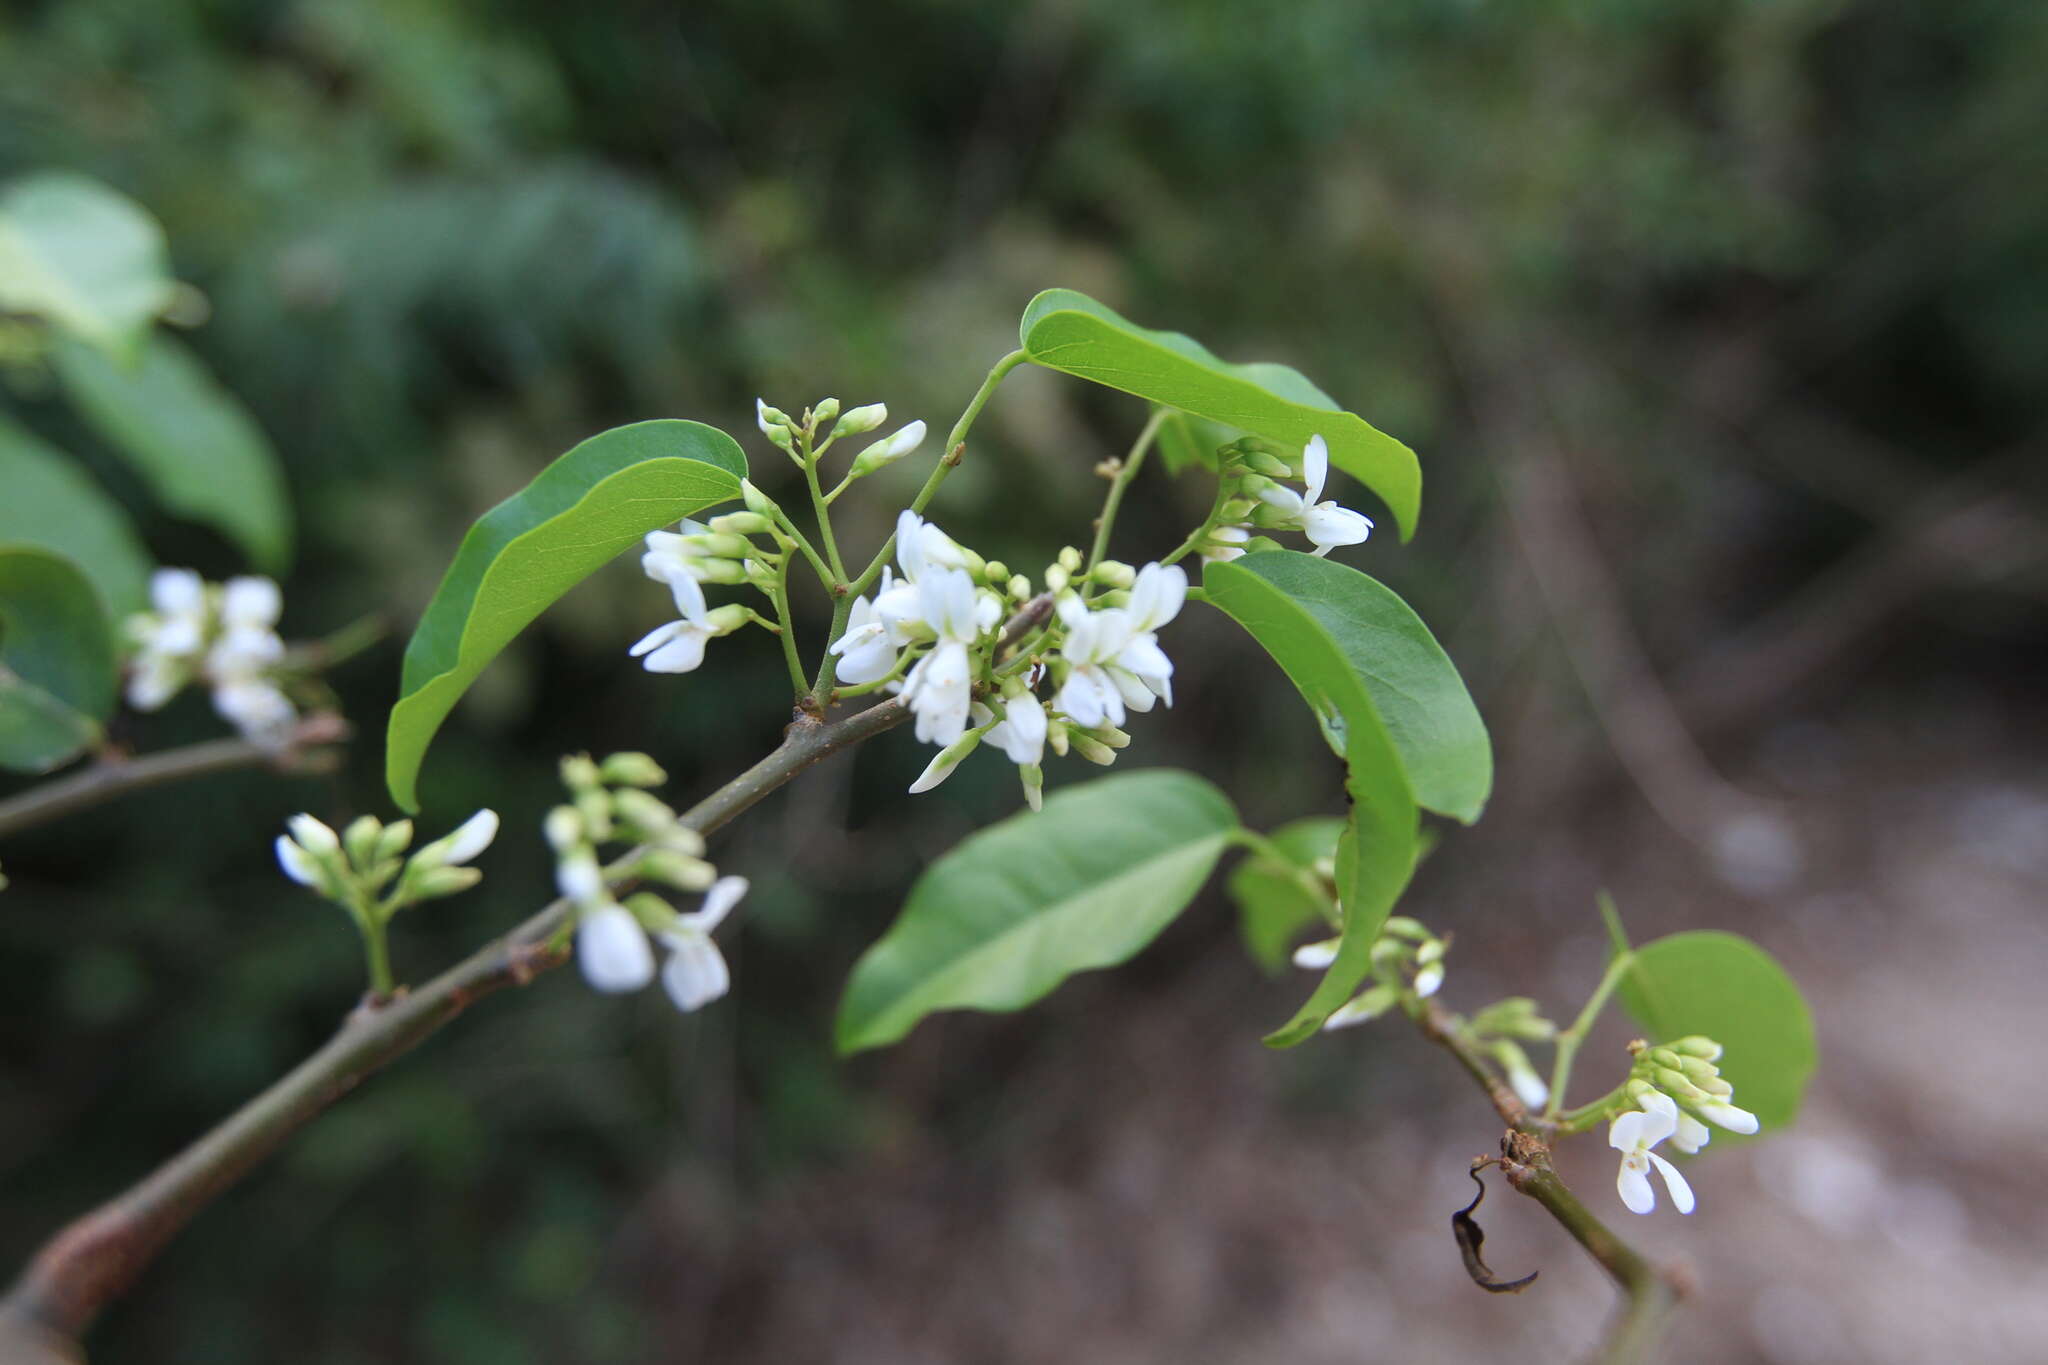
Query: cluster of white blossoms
{"x": 354, "y": 866}
{"x": 613, "y": 944}
{"x": 968, "y": 646}
{"x": 1673, "y": 1087}
{"x": 224, "y": 634}
{"x": 1267, "y": 504}
{"x": 1405, "y": 948}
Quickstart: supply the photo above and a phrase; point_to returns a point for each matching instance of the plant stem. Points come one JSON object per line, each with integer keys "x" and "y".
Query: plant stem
{"x": 956, "y": 441}
{"x": 1117, "y": 485}
{"x": 112, "y": 777}
{"x": 1568, "y": 1041}
{"x": 824, "y": 515}
{"x": 376, "y": 951}
{"x": 1200, "y": 533}
{"x": 786, "y": 627}
{"x": 90, "y": 1263}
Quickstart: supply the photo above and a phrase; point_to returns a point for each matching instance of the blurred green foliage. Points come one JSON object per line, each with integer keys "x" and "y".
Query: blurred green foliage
{"x": 444, "y": 241}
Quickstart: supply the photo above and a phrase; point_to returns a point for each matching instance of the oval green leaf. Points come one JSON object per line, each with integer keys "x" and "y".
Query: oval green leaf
{"x": 195, "y": 445}
{"x": 576, "y": 516}
{"x": 50, "y": 502}
{"x": 1727, "y": 988}
{"x": 1414, "y": 685}
{"x": 57, "y": 670}
{"x": 1068, "y": 331}
{"x": 85, "y": 257}
{"x": 1273, "y": 907}
{"x": 1010, "y": 913}
{"x": 1377, "y": 854}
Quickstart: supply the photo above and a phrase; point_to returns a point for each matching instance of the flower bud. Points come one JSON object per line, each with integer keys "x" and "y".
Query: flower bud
{"x": 996, "y": 574}
{"x": 1019, "y": 588}
{"x": 648, "y": 816}
{"x": 1112, "y": 573}
{"x": 1092, "y": 749}
{"x": 1366, "y": 1005}
{"x": 612, "y": 949}
{"x": 1270, "y": 465}
{"x": 673, "y": 868}
{"x": 395, "y": 840}
{"x": 1033, "y": 778}
{"x": 579, "y": 877}
{"x": 1675, "y": 1083}
{"x": 862, "y": 419}
{"x": 725, "y": 572}
{"x": 1111, "y": 736}
{"x": 759, "y": 503}
{"x": 595, "y": 806}
{"x": 1056, "y": 732}
{"x": 564, "y": 828}
{"x": 579, "y": 773}
{"x": 653, "y": 913}
{"x": 740, "y": 524}
{"x": 1693, "y": 1045}
{"x": 720, "y": 545}
{"x": 632, "y": 769}
{"x": 1237, "y": 509}
{"x": 941, "y": 768}
{"x": 774, "y": 424}
{"x": 444, "y": 881}
{"x": 824, "y": 410}
{"x": 301, "y": 866}
{"x": 313, "y": 836}
{"x": 1401, "y": 926}
{"x": 889, "y": 449}
{"x": 1055, "y": 578}
{"x": 360, "y": 839}
{"x": 1699, "y": 1072}
{"x": 470, "y": 838}
{"x": 1070, "y": 559}
{"x": 1529, "y": 1087}
{"x": 1429, "y": 980}
{"x": 728, "y": 618}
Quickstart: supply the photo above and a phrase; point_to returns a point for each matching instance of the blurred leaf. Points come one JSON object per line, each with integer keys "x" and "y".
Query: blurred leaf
{"x": 1272, "y": 904}
{"x": 50, "y": 502}
{"x": 1414, "y": 685}
{"x": 1727, "y": 988}
{"x": 1012, "y": 912}
{"x": 1070, "y": 332}
{"x": 576, "y": 516}
{"x": 1377, "y": 853}
{"x": 191, "y": 440}
{"x": 87, "y": 258}
{"x": 1186, "y": 441}
{"x": 56, "y": 659}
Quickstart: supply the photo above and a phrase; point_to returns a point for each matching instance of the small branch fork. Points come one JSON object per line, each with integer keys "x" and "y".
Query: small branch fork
{"x": 94, "y": 1260}
{"x": 1648, "y": 1293}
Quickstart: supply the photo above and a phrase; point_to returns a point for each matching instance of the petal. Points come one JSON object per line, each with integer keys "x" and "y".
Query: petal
{"x": 613, "y": 951}
{"x": 937, "y": 771}
{"x": 1157, "y": 596}
{"x": 1326, "y": 525}
{"x": 296, "y": 862}
{"x": 719, "y": 901}
{"x": 1728, "y": 1116}
{"x": 656, "y": 638}
{"x": 682, "y": 654}
{"x": 1626, "y": 1132}
{"x": 1280, "y": 496}
{"x": 910, "y": 544}
{"x": 470, "y": 838}
{"x": 1691, "y": 1135}
{"x": 1661, "y": 1118}
{"x": 1131, "y": 689}
{"x": 689, "y": 597}
{"x": 1681, "y": 1193}
{"x": 695, "y": 974}
{"x": 1634, "y": 1187}
{"x": 176, "y": 591}
{"x": 1318, "y": 955}
{"x": 1315, "y": 467}
{"x": 250, "y": 602}
{"x": 1023, "y": 728}
{"x": 1081, "y": 700}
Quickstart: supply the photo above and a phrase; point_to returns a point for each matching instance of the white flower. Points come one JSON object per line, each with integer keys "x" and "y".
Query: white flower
{"x": 250, "y": 604}
{"x": 696, "y": 973}
{"x": 938, "y": 689}
{"x": 1224, "y": 544}
{"x": 1691, "y": 1134}
{"x": 1633, "y": 1135}
{"x": 1020, "y": 734}
{"x": 674, "y": 554}
{"x": 1115, "y": 658}
{"x": 1727, "y": 1116}
{"x": 612, "y": 949}
{"x": 1326, "y": 524}
{"x": 168, "y": 638}
{"x": 258, "y": 709}
{"x": 678, "y": 647}
{"x": 314, "y": 835}
{"x": 867, "y": 651}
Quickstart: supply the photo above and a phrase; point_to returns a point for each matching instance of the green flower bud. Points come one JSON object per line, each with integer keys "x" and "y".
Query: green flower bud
{"x": 889, "y": 449}
{"x": 1091, "y": 749}
{"x": 673, "y": 868}
{"x": 1401, "y": 926}
{"x": 1693, "y": 1045}
{"x": 1663, "y": 1056}
{"x": 564, "y": 829}
{"x": 1113, "y": 573}
{"x": 1033, "y": 778}
{"x": 740, "y": 524}
{"x": 594, "y": 804}
{"x": 862, "y": 419}
{"x": 759, "y": 503}
{"x": 652, "y": 912}
{"x": 443, "y": 881}
{"x": 728, "y": 618}
{"x": 395, "y": 840}
{"x": 727, "y": 572}
{"x": 632, "y": 770}
{"x": 1111, "y": 736}
{"x": 1675, "y": 1084}
{"x": 1270, "y": 465}
{"x": 1236, "y": 510}
{"x": 579, "y": 773}
{"x": 824, "y": 410}
{"x": 647, "y": 815}
{"x": 721, "y": 544}
{"x": 1070, "y": 559}
{"x": 1698, "y": 1070}
{"x": 360, "y": 839}
{"x": 1056, "y": 732}
{"x": 996, "y": 574}
{"x": 1055, "y": 578}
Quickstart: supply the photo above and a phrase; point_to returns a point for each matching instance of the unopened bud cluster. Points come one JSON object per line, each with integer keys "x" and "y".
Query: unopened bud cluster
{"x": 1406, "y": 959}
{"x": 609, "y": 802}
{"x": 805, "y": 439}
{"x": 1255, "y": 497}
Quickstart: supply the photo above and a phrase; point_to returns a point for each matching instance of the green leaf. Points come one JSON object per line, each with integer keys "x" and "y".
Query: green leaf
{"x": 195, "y": 445}
{"x": 1727, "y": 988}
{"x": 1016, "y": 909}
{"x": 88, "y": 259}
{"x": 57, "y": 670}
{"x": 1186, "y": 441}
{"x": 1072, "y": 333}
{"x": 1414, "y": 685}
{"x": 523, "y": 554}
{"x": 50, "y": 502}
{"x": 1376, "y": 856}
{"x": 1273, "y": 906}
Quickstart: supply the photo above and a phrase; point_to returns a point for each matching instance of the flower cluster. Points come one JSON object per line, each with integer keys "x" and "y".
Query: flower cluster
{"x": 1256, "y": 499}
{"x": 609, "y": 802}
{"x": 1405, "y": 956}
{"x": 355, "y": 865}
{"x": 224, "y": 634}
{"x": 972, "y": 646}
{"x": 1673, "y": 1088}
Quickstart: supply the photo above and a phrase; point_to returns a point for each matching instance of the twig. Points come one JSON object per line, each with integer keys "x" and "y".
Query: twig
{"x": 113, "y": 777}
{"x": 90, "y": 1263}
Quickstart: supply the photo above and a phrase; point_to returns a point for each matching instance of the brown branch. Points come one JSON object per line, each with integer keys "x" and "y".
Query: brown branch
{"x": 90, "y": 1263}
{"x": 1648, "y": 1293}
{"x": 117, "y": 776}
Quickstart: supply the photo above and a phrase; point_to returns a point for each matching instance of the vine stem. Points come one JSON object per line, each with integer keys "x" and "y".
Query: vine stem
{"x": 117, "y": 776}
{"x": 1648, "y": 1293}
{"x": 1568, "y": 1041}
{"x": 1127, "y": 471}
{"x": 90, "y": 1263}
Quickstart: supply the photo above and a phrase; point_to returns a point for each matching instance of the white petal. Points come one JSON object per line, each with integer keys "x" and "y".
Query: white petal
{"x": 1022, "y": 731}
{"x": 725, "y": 893}
{"x": 689, "y": 597}
{"x": 656, "y": 638}
{"x": 613, "y": 951}
{"x": 1157, "y": 596}
{"x": 1281, "y": 496}
{"x": 1429, "y": 980}
{"x": 1131, "y": 689}
{"x": 296, "y": 862}
{"x": 1318, "y": 955}
{"x": 1625, "y": 1134}
{"x": 1327, "y": 525}
{"x": 1635, "y": 1190}
{"x": 695, "y": 974}
{"x": 1660, "y": 1118}
{"x": 910, "y": 544}
{"x": 313, "y": 835}
{"x": 1529, "y": 1087}
{"x": 250, "y": 603}
{"x": 1681, "y": 1193}
{"x": 1367, "y": 1005}
{"x": 1691, "y": 1135}
{"x": 1728, "y": 1116}
{"x": 578, "y": 877}
{"x": 937, "y": 771}
{"x": 1144, "y": 657}
{"x": 682, "y": 654}
{"x": 176, "y": 591}
{"x": 1315, "y": 467}
{"x": 470, "y": 838}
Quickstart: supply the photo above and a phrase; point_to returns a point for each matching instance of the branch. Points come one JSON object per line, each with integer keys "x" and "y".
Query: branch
{"x": 90, "y": 1263}
{"x": 1649, "y": 1294}
{"x": 112, "y": 777}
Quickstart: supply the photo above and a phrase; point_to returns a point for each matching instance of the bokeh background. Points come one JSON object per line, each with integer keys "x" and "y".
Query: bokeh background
{"x": 1720, "y": 330}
